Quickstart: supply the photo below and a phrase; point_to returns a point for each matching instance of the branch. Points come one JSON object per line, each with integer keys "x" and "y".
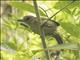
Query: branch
{"x": 42, "y": 35}
{"x": 58, "y": 12}
{"x": 61, "y": 9}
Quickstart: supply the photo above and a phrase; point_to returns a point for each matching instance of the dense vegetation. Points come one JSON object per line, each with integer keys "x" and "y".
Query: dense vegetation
{"x": 20, "y": 43}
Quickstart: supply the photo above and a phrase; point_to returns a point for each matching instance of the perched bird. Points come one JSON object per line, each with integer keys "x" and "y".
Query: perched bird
{"x": 49, "y": 28}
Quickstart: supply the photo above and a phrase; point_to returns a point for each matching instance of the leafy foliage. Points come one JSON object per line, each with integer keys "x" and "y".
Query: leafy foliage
{"x": 24, "y": 6}
{"x": 70, "y": 28}
{"x": 20, "y": 43}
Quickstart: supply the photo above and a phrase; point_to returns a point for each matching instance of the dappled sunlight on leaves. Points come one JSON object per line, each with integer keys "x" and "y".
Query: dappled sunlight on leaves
{"x": 20, "y": 43}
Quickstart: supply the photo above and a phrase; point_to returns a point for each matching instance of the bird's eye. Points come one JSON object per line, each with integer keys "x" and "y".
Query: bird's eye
{"x": 26, "y": 18}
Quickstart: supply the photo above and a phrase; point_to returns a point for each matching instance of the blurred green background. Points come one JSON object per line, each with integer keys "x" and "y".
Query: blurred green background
{"x": 20, "y": 43}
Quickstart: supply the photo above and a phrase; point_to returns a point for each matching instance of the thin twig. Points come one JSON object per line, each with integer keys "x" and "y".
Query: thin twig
{"x": 61, "y": 9}
{"x": 57, "y": 12}
{"x": 42, "y": 35}
{"x": 45, "y": 12}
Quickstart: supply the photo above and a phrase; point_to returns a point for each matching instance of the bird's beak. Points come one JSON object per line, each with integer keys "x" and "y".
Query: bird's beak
{"x": 22, "y": 22}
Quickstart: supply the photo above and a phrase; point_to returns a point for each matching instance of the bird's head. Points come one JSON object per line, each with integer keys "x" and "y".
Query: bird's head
{"x": 26, "y": 20}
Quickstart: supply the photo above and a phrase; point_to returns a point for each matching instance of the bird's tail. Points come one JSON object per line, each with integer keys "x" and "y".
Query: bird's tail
{"x": 58, "y": 38}
{"x": 59, "y": 41}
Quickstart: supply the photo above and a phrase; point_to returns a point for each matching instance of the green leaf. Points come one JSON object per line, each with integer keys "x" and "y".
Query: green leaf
{"x": 25, "y": 6}
{"x": 10, "y": 45}
{"x": 74, "y": 30}
{"x": 66, "y": 46}
{"x": 68, "y": 11}
{"x": 78, "y": 13}
{"x": 73, "y": 12}
{"x": 61, "y": 4}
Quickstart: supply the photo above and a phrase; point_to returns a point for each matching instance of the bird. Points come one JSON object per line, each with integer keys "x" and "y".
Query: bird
{"x": 49, "y": 27}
